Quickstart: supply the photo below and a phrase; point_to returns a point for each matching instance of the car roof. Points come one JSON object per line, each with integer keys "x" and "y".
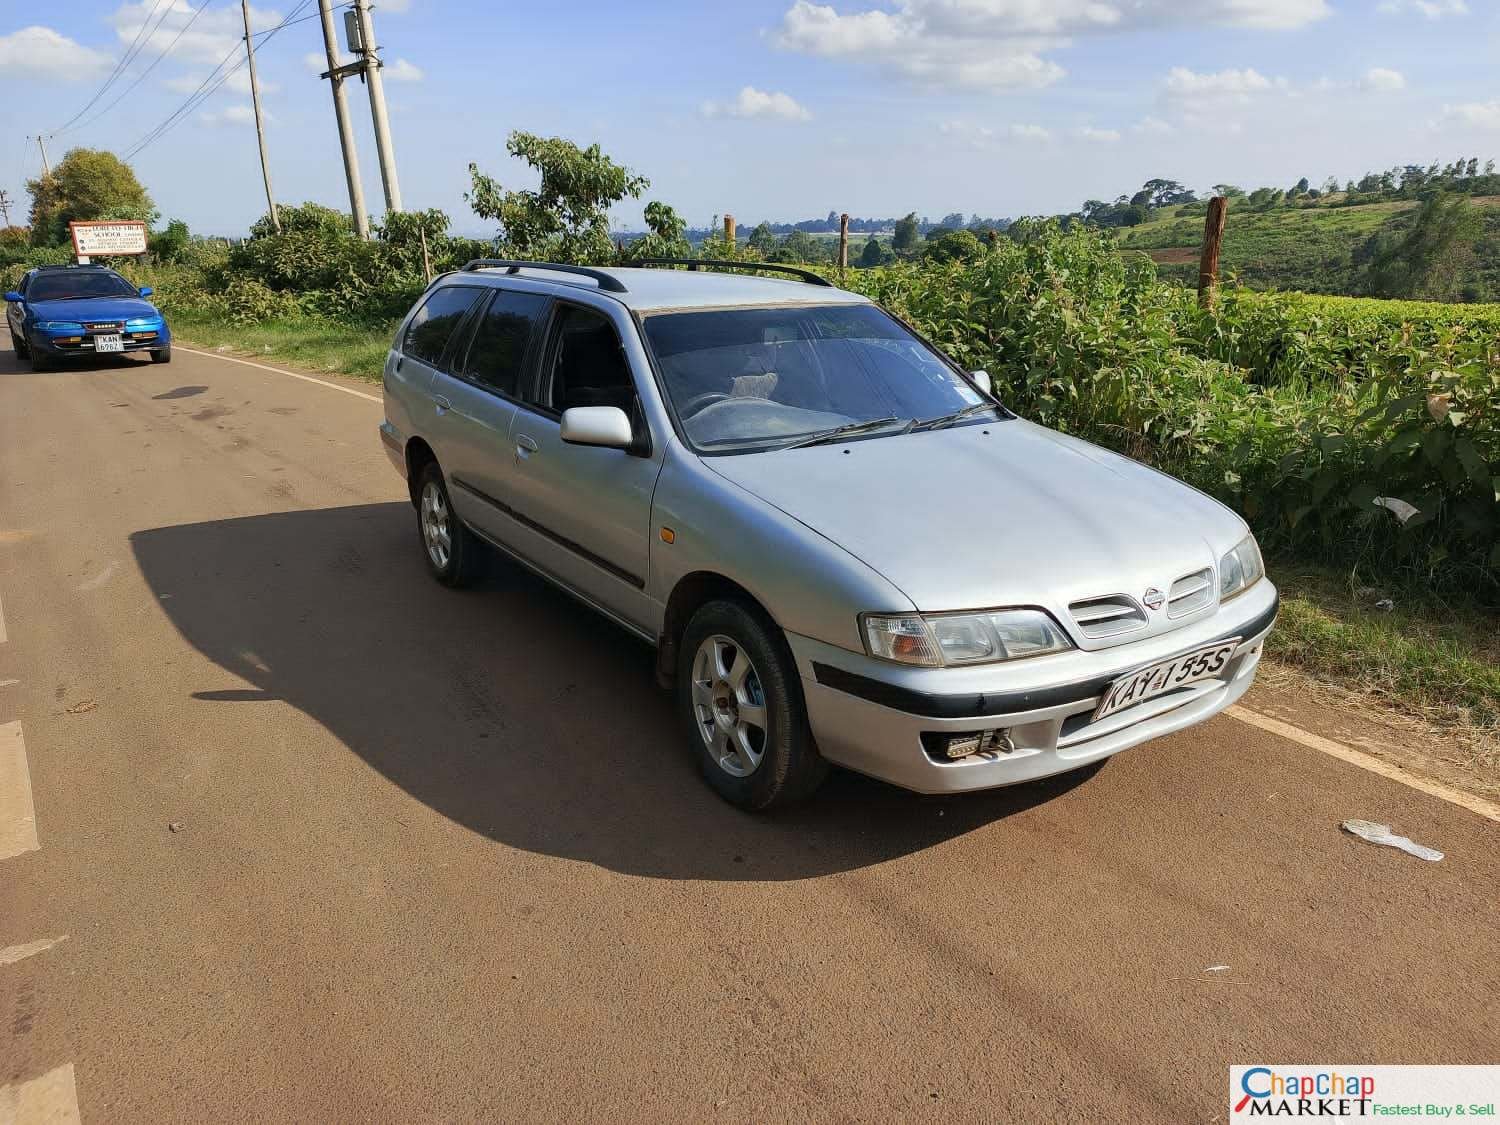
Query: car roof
{"x": 656, "y": 290}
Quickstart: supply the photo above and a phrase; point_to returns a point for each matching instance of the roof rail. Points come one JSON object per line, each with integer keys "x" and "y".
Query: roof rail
{"x": 774, "y": 267}
{"x": 607, "y": 282}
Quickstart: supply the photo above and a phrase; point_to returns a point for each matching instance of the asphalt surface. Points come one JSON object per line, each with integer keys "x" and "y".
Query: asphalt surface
{"x": 443, "y": 855}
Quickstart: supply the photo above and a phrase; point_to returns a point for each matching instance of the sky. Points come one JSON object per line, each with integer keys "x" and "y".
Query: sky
{"x": 766, "y": 109}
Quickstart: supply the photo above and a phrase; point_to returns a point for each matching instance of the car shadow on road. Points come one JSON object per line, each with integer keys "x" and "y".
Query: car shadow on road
{"x": 508, "y": 708}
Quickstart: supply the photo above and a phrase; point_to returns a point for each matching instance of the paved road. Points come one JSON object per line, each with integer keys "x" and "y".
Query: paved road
{"x": 444, "y": 855}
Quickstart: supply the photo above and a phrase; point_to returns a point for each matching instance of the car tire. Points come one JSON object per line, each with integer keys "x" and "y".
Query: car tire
{"x": 40, "y": 360}
{"x": 18, "y": 345}
{"x": 734, "y": 667}
{"x": 162, "y": 355}
{"x": 454, "y": 554}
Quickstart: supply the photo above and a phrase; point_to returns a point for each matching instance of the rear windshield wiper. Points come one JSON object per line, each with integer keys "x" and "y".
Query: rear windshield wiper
{"x": 957, "y": 416}
{"x": 846, "y": 431}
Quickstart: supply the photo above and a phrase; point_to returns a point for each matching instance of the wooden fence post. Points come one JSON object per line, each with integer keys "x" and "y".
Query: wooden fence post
{"x": 843, "y": 243}
{"x": 1213, "y": 237}
{"x": 729, "y": 230}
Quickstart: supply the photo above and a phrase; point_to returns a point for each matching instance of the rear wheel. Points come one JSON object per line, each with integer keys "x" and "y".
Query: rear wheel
{"x": 742, "y": 708}
{"x": 454, "y": 553}
{"x": 162, "y": 355}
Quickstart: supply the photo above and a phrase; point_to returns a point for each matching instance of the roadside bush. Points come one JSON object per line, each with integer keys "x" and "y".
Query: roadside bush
{"x": 247, "y": 301}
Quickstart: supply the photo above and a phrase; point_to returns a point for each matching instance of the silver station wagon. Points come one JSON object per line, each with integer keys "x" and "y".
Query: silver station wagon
{"x": 843, "y": 548}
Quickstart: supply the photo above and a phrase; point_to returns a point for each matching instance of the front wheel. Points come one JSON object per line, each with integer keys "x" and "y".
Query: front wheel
{"x": 40, "y": 360}
{"x": 162, "y": 355}
{"x": 453, "y": 551}
{"x": 742, "y": 708}
{"x": 18, "y": 345}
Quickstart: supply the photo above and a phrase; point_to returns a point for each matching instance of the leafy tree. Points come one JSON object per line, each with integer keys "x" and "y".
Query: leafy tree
{"x": 1428, "y": 258}
{"x": 87, "y": 184}
{"x": 799, "y": 246}
{"x": 567, "y": 217}
{"x": 763, "y": 239}
{"x": 171, "y": 244}
{"x": 1298, "y": 189}
{"x": 1228, "y": 191}
{"x": 906, "y": 233}
{"x": 14, "y": 238}
{"x": 954, "y": 245}
{"x": 873, "y": 253}
{"x": 952, "y": 221}
{"x": 664, "y": 237}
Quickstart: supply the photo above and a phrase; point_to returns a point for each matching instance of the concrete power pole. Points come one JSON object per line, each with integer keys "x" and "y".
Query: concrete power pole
{"x": 369, "y": 51}
{"x": 260, "y": 124}
{"x": 336, "y": 75}
{"x": 5, "y": 206}
{"x": 41, "y": 143}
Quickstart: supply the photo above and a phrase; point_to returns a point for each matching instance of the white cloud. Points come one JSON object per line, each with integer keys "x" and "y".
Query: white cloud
{"x": 1482, "y": 115}
{"x": 1099, "y": 136}
{"x": 231, "y": 115}
{"x": 1432, "y": 9}
{"x": 1153, "y": 125}
{"x": 1001, "y": 44}
{"x": 205, "y": 37}
{"x": 1030, "y": 133}
{"x": 43, "y": 53}
{"x": 751, "y": 102}
{"x": 1235, "y": 86}
{"x": 402, "y": 71}
{"x": 316, "y": 62}
{"x": 1383, "y": 79}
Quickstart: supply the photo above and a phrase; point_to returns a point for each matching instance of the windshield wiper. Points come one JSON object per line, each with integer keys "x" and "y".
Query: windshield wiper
{"x": 847, "y": 430}
{"x": 957, "y": 416}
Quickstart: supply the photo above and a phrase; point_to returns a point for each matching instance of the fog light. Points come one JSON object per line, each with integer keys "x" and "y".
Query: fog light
{"x": 962, "y": 745}
{"x": 952, "y": 747}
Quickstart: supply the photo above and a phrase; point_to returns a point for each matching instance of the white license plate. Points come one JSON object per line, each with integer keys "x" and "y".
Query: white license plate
{"x": 1147, "y": 683}
{"x": 108, "y": 344}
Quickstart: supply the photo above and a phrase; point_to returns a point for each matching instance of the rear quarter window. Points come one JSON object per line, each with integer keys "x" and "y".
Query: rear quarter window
{"x": 431, "y": 326}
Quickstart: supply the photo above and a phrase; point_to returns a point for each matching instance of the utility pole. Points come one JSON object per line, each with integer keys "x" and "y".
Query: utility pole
{"x": 843, "y": 243}
{"x": 369, "y": 51}
{"x": 260, "y": 124}
{"x": 336, "y": 74}
{"x": 1208, "y": 264}
{"x": 41, "y": 143}
{"x": 5, "y": 206}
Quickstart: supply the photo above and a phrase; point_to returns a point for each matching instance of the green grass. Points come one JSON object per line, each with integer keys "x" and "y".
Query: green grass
{"x": 316, "y": 345}
{"x": 1437, "y": 660}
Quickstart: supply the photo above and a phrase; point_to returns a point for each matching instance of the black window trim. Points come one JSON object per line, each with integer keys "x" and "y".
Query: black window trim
{"x": 444, "y": 360}
{"x": 547, "y": 349}
{"x": 469, "y": 329}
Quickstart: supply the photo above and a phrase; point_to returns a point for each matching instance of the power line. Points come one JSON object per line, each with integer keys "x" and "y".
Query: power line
{"x": 124, "y": 61}
{"x": 202, "y": 94}
{"x": 142, "y": 76}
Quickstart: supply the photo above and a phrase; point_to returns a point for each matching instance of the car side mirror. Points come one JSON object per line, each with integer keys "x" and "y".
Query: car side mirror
{"x": 146, "y": 290}
{"x": 605, "y": 426}
{"x": 14, "y": 296}
{"x": 983, "y": 379}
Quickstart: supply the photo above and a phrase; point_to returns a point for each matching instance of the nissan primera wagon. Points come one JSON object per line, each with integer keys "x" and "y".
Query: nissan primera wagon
{"x": 843, "y": 548}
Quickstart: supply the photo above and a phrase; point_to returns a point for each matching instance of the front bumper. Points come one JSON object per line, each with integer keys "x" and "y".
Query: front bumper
{"x": 73, "y": 345}
{"x": 871, "y": 716}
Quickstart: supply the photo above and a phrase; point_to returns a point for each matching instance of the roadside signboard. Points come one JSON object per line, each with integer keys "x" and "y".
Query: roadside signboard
{"x": 103, "y": 239}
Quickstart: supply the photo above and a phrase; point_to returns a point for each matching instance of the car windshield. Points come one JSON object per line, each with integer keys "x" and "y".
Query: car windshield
{"x": 758, "y": 378}
{"x": 63, "y": 284}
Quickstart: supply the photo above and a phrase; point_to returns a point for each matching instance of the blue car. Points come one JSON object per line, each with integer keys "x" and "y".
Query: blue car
{"x": 65, "y": 312}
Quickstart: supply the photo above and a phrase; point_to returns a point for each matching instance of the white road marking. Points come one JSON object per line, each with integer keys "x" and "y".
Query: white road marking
{"x": 101, "y": 578}
{"x": 2, "y": 623}
{"x": 17, "y": 813}
{"x": 51, "y": 1099}
{"x": 1487, "y": 809}
{"x": 30, "y": 949}
{"x": 9, "y": 683}
{"x": 280, "y": 371}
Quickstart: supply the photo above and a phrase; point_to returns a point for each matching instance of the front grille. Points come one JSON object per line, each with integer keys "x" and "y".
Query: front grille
{"x": 1110, "y": 616}
{"x": 105, "y": 326}
{"x": 1191, "y": 592}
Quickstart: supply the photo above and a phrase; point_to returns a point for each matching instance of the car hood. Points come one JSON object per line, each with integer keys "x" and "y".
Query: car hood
{"x": 1001, "y": 514}
{"x": 94, "y": 308}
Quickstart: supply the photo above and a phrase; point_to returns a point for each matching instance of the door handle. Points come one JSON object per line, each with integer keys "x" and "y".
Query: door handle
{"x": 443, "y": 405}
{"x": 525, "y": 446}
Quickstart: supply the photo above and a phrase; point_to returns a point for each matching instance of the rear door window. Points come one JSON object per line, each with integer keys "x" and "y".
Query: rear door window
{"x": 501, "y": 338}
{"x": 428, "y": 331}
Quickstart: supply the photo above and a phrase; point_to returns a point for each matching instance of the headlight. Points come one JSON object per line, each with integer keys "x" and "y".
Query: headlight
{"x": 144, "y": 322}
{"x": 59, "y": 326}
{"x": 947, "y": 639}
{"x": 1240, "y": 569}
